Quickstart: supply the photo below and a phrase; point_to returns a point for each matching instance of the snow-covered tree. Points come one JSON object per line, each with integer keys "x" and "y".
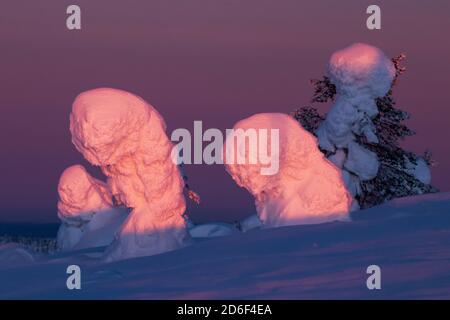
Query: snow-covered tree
{"x": 305, "y": 188}
{"x": 126, "y": 137}
{"x": 399, "y": 172}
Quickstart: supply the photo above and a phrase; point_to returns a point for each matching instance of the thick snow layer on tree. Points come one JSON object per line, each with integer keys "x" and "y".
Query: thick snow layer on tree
{"x": 362, "y": 162}
{"x": 338, "y": 158}
{"x": 81, "y": 196}
{"x": 352, "y": 183}
{"x": 361, "y": 73}
{"x": 102, "y": 229}
{"x": 85, "y": 205}
{"x": 307, "y": 188}
{"x": 420, "y": 171}
{"x": 125, "y": 136}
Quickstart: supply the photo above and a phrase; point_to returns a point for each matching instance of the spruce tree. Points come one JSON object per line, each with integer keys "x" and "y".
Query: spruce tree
{"x": 395, "y": 176}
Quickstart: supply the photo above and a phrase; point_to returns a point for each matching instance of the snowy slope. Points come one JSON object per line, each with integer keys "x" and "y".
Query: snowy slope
{"x": 408, "y": 238}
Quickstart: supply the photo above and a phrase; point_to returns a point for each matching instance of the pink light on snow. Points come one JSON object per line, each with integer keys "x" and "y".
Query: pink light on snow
{"x": 307, "y": 187}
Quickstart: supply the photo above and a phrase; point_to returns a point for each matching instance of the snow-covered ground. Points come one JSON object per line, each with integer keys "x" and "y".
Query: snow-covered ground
{"x": 408, "y": 238}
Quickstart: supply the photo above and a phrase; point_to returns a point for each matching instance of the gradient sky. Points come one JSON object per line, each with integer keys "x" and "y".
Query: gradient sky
{"x": 212, "y": 60}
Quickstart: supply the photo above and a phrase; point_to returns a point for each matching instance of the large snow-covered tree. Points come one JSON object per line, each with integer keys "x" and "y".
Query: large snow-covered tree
{"x": 302, "y": 188}
{"x": 126, "y": 137}
{"x": 399, "y": 172}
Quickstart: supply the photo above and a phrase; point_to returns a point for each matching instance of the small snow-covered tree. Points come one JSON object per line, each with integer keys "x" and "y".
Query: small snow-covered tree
{"x": 400, "y": 173}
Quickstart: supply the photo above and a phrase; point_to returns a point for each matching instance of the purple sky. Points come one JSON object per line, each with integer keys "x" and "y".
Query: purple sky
{"x": 217, "y": 61}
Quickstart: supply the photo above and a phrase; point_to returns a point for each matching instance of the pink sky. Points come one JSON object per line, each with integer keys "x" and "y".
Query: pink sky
{"x": 216, "y": 61}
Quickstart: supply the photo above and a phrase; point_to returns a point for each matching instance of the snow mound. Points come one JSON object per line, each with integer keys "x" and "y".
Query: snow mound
{"x": 306, "y": 189}
{"x": 212, "y": 230}
{"x": 13, "y": 254}
{"x": 125, "y": 136}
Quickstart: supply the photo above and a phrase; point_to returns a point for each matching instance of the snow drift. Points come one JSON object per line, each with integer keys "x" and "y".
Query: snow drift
{"x": 13, "y": 254}
{"x": 408, "y": 238}
{"x": 307, "y": 188}
{"x": 125, "y": 136}
{"x": 212, "y": 230}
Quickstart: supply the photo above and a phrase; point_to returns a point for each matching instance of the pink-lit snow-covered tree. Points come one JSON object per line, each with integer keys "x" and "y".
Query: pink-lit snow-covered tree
{"x": 364, "y": 118}
{"x": 125, "y": 136}
{"x": 305, "y": 189}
